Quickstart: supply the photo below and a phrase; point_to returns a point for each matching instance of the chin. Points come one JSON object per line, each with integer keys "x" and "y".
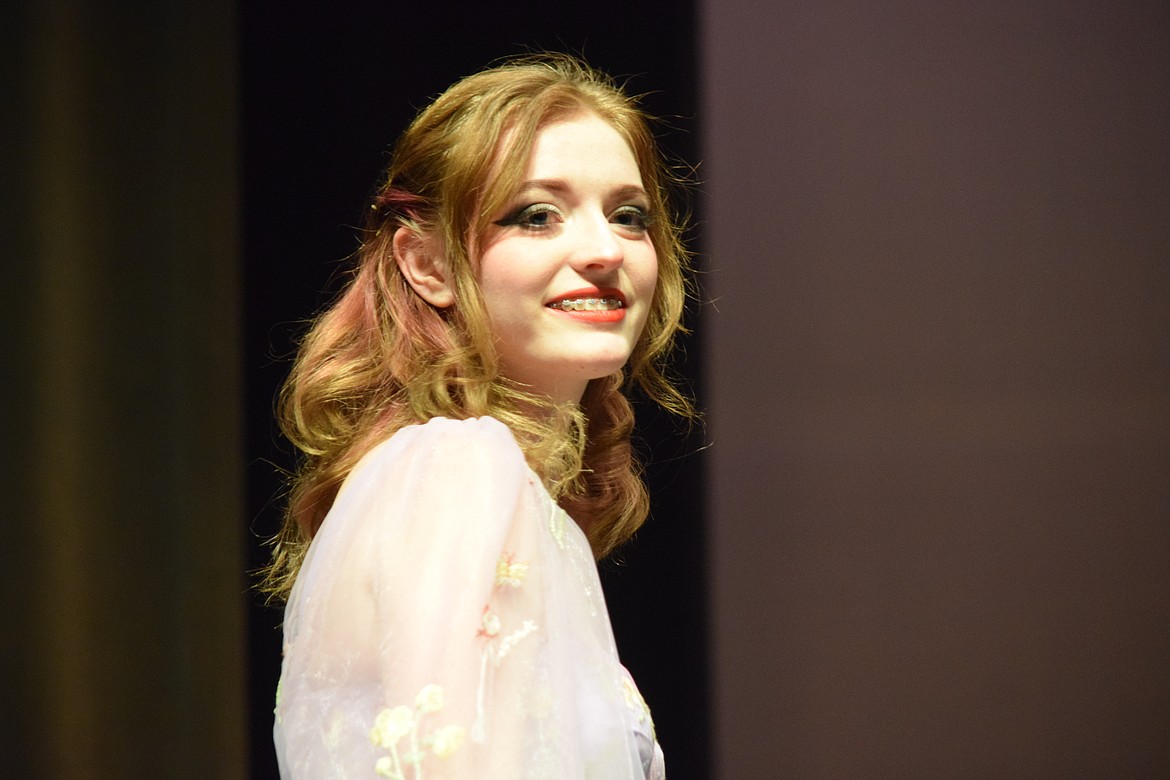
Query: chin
{"x": 603, "y": 365}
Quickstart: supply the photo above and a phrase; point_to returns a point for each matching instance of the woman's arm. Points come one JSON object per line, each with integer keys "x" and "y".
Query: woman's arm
{"x": 450, "y": 615}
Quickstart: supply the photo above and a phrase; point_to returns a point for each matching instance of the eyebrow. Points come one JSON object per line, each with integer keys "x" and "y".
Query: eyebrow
{"x": 560, "y": 186}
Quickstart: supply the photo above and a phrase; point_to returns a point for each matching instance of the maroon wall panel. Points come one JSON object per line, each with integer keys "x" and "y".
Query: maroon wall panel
{"x": 938, "y": 367}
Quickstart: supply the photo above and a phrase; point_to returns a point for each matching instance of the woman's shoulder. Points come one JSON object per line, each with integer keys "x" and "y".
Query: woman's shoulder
{"x": 442, "y": 440}
{"x": 432, "y": 465}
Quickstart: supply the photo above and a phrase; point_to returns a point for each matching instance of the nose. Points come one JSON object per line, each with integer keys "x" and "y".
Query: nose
{"x": 598, "y": 248}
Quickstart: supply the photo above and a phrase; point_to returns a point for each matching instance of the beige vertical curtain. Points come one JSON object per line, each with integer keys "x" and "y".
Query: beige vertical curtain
{"x": 123, "y": 499}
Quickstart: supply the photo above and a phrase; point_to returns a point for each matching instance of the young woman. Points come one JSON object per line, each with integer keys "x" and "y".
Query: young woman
{"x": 467, "y": 445}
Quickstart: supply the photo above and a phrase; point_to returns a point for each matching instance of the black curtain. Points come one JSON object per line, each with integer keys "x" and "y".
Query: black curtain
{"x": 325, "y": 92}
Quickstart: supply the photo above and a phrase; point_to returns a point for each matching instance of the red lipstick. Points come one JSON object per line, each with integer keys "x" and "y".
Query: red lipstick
{"x": 591, "y": 304}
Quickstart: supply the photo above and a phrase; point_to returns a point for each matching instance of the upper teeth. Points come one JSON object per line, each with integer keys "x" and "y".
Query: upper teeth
{"x": 587, "y": 304}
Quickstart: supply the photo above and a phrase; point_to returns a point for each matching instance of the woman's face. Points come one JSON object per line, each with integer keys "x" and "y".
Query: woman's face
{"x": 567, "y": 269}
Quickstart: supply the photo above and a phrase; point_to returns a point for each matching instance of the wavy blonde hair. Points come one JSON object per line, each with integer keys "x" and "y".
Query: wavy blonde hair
{"x": 381, "y": 358}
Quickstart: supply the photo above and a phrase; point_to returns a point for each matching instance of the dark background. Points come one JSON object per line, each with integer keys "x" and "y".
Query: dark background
{"x": 324, "y": 94}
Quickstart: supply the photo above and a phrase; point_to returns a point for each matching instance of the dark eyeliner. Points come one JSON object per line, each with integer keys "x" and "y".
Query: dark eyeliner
{"x": 520, "y": 216}
{"x": 511, "y": 219}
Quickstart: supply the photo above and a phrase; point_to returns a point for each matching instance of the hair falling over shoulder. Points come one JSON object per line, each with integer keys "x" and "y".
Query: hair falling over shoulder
{"x": 380, "y": 357}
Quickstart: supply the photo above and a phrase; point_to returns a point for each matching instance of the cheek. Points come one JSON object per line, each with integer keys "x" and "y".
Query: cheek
{"x": 510, "y": 299}
{"x": 507, "y": 270}
{"x": 495, "y": 282}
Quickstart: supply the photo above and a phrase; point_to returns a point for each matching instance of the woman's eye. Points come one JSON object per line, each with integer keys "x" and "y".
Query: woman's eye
{"x": 535, "y": 216}
{"x": 632, "y": 217}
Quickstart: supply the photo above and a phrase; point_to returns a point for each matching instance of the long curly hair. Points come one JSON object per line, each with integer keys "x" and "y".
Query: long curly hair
{"x": 380, "y": 357}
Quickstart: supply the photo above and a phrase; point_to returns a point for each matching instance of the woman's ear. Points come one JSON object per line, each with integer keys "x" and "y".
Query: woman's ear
{"x": 422, "y": 262}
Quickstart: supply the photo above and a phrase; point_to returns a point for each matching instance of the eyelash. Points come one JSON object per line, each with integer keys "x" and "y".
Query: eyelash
{"x": 643, "y": 217}
{"x": 524, "y": 215}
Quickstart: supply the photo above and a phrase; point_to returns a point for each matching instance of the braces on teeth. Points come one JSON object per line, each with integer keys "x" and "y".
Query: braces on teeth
{"x": 587, "y": 304}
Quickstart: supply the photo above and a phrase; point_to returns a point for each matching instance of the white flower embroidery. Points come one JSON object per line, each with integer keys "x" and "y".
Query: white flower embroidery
{"x": 510, "y": 573}
{"x": 429, "y": 699}
{"x": 392, "y": 724}
{"x": 489, "y": 623}
{"x": 508, "y": 642}
{"x": 445, "y": 741}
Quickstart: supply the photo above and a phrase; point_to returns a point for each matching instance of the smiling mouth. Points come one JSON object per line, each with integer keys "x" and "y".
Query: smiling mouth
{"x": 587, "y": 304}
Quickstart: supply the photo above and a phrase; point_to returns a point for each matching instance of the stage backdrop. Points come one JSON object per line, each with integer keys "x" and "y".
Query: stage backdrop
{"x": 326, "y": 90}
{"x": 939, "y": 387}
{"x": 123, "y": 600}
{"x": 937, "y": 360}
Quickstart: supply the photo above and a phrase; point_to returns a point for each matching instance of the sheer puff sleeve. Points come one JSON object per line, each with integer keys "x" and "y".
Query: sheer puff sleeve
{"x": 448, "y": 622}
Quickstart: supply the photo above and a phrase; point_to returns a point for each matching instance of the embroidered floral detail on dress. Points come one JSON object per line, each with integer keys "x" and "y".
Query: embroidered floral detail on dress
{"x": 556, "y": 525}
{"x": 429, "y": 699}
{"x": 445, "y": 741}
{"x": 508, "y": 642}
{"x": 637, "y": 704}
{"x": 489, "y": 623}
{"x": 510, "y": 573}
{"x": 395, "y": 723}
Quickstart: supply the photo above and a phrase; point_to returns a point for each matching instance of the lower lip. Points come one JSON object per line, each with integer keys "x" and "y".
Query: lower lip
{"x": 606, "y": 315}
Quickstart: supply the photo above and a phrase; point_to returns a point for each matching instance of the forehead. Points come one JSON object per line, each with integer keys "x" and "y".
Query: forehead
{"x": 582, "y": 146}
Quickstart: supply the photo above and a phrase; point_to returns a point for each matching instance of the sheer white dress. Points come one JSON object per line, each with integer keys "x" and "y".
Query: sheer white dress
{"x": 448, "y": 622}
